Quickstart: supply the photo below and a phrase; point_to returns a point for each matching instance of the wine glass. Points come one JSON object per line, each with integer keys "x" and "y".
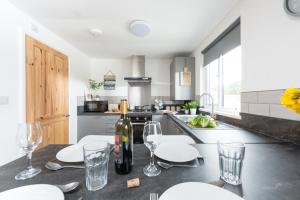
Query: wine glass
{"x": 152, "y": 136}
{"x": 29, "y": 136}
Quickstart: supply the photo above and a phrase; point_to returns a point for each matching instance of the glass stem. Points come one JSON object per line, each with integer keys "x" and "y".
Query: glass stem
{"x": 29, "y": 155}
{"x": 151, "y": 158}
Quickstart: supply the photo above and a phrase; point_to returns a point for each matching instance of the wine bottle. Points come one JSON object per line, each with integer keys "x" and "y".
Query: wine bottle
{"x": 123, "y": 141}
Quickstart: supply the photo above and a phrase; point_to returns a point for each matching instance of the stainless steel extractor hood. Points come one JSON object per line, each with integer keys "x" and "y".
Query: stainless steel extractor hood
{"x": 139, "y": 86}
{"x": 138, "y": 70}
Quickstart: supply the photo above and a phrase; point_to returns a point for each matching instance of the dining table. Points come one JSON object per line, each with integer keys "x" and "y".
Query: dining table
{"x": 270, "y": 172}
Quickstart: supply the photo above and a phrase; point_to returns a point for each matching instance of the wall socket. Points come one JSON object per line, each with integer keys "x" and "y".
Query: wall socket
{"x": 4, "y": 100}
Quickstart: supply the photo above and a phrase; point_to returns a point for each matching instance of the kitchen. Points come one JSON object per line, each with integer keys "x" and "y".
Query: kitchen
{"x": 176, "y": 61}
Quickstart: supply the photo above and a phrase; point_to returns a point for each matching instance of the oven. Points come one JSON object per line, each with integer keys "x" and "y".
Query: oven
{"x": 138, "y": 120}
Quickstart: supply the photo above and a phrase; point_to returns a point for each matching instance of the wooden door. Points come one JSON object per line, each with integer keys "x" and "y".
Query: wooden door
{"x": 47, "y": 91}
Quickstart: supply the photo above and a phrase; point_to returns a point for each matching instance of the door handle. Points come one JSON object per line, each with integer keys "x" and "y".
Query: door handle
{"x": 67, "y": 115}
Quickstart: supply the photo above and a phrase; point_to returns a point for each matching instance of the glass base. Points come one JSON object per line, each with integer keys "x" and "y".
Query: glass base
{"x": 151, "y": 170}
{"x": 232, "y": 180}
{"x": 28, "y": 173}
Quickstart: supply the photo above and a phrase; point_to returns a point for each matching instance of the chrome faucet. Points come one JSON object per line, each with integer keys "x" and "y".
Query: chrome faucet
{"x": 212, "y": 113}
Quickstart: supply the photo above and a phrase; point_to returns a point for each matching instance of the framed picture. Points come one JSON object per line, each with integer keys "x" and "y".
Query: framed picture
{"x": 109, "y": 81}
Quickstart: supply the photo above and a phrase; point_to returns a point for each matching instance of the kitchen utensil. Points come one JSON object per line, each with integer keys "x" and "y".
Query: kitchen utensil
{"x": 33, "y": 192}
{"x": 29, "y": 136}
{"x": 55, "y": 166}
{"x": 231, "y": 156}
{"x": 152, "y": 137}
{"x": 71, "y": 153}
{"x": 176, "y": 152}
{"x": 196, "y": 190}
{"x": 68, "y": 187}
{"x": 96, "y": 156}
{"x": 169, "y": 165}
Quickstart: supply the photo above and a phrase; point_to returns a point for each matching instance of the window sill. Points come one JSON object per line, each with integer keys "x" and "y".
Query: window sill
{"x": 226, "y": 114}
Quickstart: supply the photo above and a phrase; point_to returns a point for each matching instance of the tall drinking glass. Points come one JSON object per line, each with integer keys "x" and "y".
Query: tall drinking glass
{"x": 96, "y": 157}
{"x": 29, "y": 136}
{"x": 231, "y": 156}
{"x": 152, "y": 136}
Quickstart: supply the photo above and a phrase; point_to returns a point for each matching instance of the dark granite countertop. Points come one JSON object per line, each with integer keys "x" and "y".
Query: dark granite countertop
{"x": 80, "y": 112}
{"x": 206, "y": 135}
{"x": 270, "y": 172}
{"x": 225, "y": 135}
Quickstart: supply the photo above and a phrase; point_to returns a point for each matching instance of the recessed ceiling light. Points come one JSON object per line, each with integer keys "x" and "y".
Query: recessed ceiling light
{"x": 140, "y": 28}
{"x": 95, "y": 32}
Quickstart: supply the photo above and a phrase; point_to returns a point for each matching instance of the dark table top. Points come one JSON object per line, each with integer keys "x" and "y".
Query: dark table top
{"x": 270, "y": 172}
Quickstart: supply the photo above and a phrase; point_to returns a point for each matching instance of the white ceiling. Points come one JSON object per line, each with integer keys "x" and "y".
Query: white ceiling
{"x": 178, "y": 26}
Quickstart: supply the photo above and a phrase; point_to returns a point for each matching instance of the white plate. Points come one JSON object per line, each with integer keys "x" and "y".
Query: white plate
{"x": 176, "y": 152}
{"x": 73, "y": 153}
{"x": 196, "y": 191}
{"x": 33, "y": 192}
{"x": 95, "y": 138}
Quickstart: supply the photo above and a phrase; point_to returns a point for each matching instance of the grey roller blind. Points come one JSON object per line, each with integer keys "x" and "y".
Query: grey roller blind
{"x": 227, "y": 41}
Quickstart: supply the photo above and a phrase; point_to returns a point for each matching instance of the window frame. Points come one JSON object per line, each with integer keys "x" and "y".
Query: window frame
{"x": 219, "y": 108}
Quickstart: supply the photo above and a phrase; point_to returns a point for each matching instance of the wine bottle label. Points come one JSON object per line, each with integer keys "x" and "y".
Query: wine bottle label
{"x": 124, "y": 138}
{"x": 117, "y": 144}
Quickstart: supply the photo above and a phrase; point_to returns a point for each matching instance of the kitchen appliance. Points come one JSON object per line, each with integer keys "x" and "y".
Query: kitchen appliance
{"x": 138, "y": 119}
{"x": 95, "y": 106}
{"x": 139, "y": 86}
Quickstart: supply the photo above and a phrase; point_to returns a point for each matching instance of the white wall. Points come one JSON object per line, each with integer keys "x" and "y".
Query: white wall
{"x": 120, "y": 67}
{"x": 158, "y": 69}
{"x": 14, "y": 25}
{"x": 270, "y": 45}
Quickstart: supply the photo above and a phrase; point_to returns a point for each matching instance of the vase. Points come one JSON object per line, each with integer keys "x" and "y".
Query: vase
{"x": 193, "y": 111}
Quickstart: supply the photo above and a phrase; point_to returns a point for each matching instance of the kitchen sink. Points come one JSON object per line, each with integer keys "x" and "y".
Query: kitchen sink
{"x": 220, "y": 125}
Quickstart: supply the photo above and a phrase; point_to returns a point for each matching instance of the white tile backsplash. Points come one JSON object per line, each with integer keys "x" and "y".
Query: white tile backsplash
{"x": 244, "y": 107}
{"x": 259, "y": 109}
{"x": 249, "y": 97}
{"x": 271, "y": 97}
{"x": 266, "y": 103}
{"x": 280, "y": 111}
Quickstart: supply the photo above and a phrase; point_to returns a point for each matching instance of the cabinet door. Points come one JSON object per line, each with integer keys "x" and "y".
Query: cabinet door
{"x": 96, "y": 125}
{"x": 110, "y": 123}
{"x": 163, "y": 122}
{"x": 173, "y": 128}
{"x": 90, "y": 125}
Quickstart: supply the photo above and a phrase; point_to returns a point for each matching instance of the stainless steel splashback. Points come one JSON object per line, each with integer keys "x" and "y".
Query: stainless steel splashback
{"x": 139, "y": 94}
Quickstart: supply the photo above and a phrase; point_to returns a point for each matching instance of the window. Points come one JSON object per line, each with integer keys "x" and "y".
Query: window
{"x": 222, "y": 71}
{"x": 223, "y": 81}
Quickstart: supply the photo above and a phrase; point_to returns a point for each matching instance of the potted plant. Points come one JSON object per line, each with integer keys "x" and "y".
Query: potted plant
{"x": 186, "y": 108}
{"x": 94, "y": 86}
{"x": 193, "y": 105}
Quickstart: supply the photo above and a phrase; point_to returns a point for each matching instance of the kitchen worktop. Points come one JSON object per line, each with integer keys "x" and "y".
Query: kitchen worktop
{"x": 80, "y": 111}
{"x": 270, "y": 172}
{"x": 225, "y": 135}
{"x": 206, "y": 135}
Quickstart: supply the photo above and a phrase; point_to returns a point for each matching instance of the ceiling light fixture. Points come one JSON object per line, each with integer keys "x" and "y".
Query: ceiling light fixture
{"x": 140, "y": 28}
{"x": 95, "y": 32}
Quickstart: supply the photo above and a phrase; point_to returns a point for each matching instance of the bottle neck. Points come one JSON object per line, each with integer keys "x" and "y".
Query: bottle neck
{"x": 124, "y": 115}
